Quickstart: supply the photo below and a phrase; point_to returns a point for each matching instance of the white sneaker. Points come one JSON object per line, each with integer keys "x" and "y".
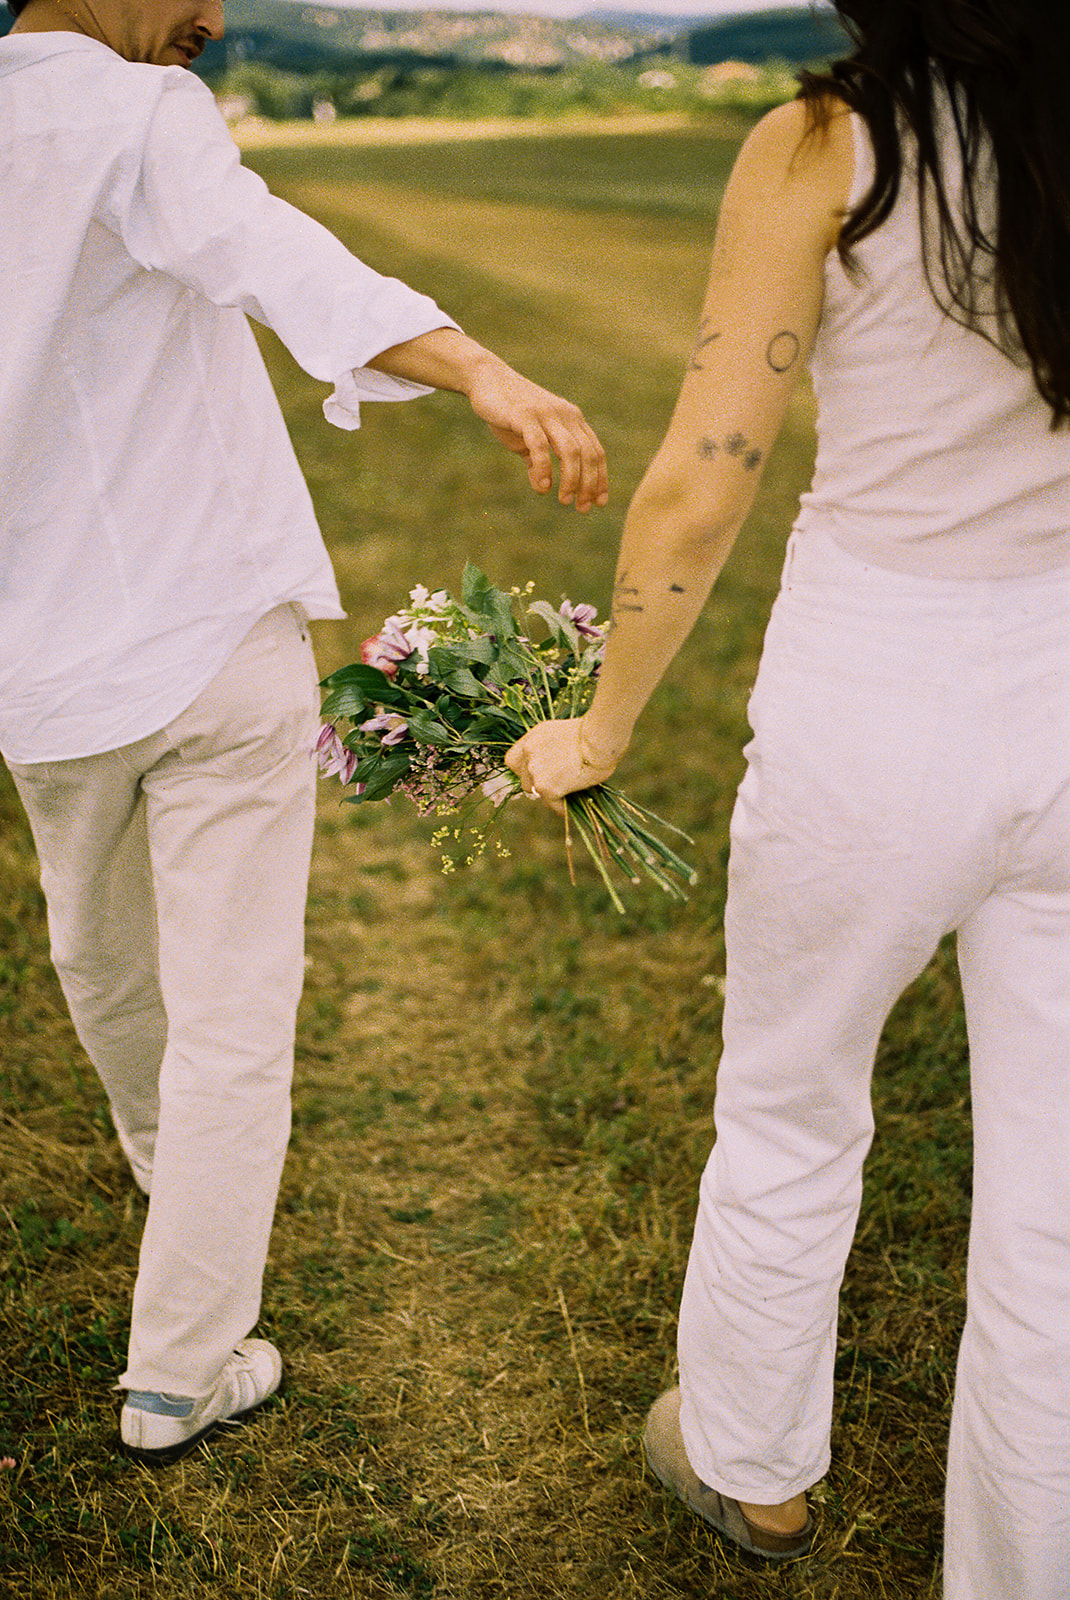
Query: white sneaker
{"x": 161, "y": 1428}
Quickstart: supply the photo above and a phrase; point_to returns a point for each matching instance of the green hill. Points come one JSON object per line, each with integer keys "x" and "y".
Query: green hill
{"x": 327, "y": 38}
{"x": 317, "y": 38}
{"x": 787, "y": 35}
{"x": 324, "y": 37}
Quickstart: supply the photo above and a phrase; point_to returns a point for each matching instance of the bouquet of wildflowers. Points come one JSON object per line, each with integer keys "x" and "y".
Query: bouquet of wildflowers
{"x": 442, "y": 692}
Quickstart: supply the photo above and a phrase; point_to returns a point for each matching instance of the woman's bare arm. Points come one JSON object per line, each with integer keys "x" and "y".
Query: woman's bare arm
{"x": 781, "y": 215}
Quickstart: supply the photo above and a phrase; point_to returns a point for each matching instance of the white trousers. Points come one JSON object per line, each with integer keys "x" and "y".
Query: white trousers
{"x": 909, "y": 776}
{"x": 175, "y": 872}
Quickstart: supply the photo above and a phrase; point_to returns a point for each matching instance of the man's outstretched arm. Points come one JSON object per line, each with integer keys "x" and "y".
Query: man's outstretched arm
{"x": 199, "y": 216}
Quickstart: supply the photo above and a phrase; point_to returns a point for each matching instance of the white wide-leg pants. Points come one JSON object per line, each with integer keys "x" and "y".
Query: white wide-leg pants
{"x": 909, "y": 776}
{"x": 175, "y": 872}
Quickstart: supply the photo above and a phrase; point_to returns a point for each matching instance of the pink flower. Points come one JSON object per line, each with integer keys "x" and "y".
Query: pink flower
{"x": 582, "y": 618}
{"x": 333, "y": 757}
{"x": 385, "y": 649}
{"x": 391, "y": 727}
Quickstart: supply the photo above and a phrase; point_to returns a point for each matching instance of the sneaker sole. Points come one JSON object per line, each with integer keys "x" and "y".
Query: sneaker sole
{"x": 171, "y": 1453}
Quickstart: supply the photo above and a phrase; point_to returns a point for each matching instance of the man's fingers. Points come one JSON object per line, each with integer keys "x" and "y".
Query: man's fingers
{"x": 539, "y": 426}
{"x": 561, "y": 430}
{"x": 584, "y": 476}
{"x": 537, "y": 451}
{"x": 567, "y": 450}
{"x": 516, "y": 759}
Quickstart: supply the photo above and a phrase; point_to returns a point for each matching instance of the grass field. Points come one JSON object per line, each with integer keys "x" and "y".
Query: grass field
{"x": 503, "y": 1091}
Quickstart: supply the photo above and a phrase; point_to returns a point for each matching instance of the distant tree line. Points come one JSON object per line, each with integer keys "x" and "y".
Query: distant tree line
{"x": 421, "y": 87}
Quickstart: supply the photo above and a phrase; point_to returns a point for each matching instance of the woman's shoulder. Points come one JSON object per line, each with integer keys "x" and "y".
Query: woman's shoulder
{"x": 802, "y": 152}
{"x": 802, "y": 139}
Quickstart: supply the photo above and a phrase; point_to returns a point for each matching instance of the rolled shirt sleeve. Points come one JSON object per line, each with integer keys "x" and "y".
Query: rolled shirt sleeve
{"x": 194, "y": 212}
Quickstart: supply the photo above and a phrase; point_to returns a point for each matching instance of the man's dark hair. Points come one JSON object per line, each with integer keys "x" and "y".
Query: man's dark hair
{"x": 15, "y": 6}
{"x": 1003, "y": 62}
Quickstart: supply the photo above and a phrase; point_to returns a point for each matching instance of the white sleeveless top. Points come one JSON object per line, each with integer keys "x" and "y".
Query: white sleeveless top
{"x": 935, "y": 452}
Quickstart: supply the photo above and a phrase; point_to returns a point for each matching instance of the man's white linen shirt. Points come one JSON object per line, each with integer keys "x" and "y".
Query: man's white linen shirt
{"x": 151, "y": 506}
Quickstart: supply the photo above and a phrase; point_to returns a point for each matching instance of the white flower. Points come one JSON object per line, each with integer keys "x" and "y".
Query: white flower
{"x": 499, "y": 788}
{"x": 420, "y": 640}
{"x": 424, "y": 600}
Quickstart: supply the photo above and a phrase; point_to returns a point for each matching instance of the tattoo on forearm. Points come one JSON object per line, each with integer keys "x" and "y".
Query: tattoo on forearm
{"x": 702, "y": 339}
{"x": 625, "y": 599}
{"x": 782, "y": 351}
{"x": 735, "y": 445}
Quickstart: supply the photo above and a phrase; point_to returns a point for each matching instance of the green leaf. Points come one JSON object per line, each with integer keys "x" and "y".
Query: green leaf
{"x": 464, "y": 682}
{"x": 475, "y": 586}
{"x": 489, "y": 603}
{"x": 383, "y": 782}
{"x": 480, "y": 650}
{"x": 358, "y": 686}
{"x": 368, "y": 767}
{"x": 426, "y": 729}
{"x": 442, "y": 659}
{"x": 492, "y": 723}
{"x": 513, "y": 667}
{"x": 562, "y": 631}
{"x": 346, "y": 701}
{"x": 503, "y": 623}
{"x": 369, "y": 679}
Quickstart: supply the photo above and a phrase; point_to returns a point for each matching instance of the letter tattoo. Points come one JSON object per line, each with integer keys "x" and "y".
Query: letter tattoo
{"x": 702, "y": 339}
{"x": 625, "y": 598}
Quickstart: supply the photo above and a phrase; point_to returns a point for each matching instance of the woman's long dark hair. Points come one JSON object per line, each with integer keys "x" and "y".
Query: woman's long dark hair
{"x": 1004, "y": 64}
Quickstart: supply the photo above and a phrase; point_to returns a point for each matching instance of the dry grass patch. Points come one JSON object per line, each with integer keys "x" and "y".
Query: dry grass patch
{"x": 258, "y": 133}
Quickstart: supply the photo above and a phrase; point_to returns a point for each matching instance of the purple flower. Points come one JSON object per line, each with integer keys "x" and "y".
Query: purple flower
{"x": 392, "y": 727}
{"x": 333, "y": 757}
{"x": 582, "y": 618}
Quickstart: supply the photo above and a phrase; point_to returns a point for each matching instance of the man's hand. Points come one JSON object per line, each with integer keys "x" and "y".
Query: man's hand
{"x": 535, "y": 424}
{"x": 555, "y": 758}
{"x": 526, "y": 419}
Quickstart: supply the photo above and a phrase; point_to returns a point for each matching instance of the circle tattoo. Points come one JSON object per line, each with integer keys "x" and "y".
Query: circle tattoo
{"x": 783, "y": 351}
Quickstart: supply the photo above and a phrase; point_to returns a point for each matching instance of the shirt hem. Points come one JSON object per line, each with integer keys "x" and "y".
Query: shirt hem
{"x": 164, "y": 711}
